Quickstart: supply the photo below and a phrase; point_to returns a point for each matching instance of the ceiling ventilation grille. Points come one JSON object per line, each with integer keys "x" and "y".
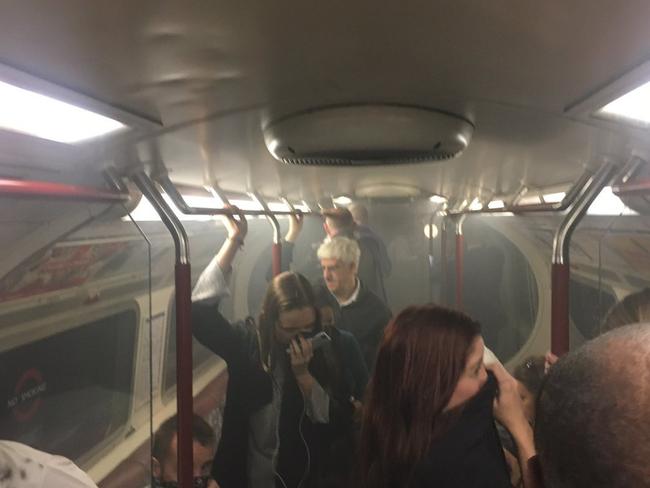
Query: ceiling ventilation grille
{"x": 364, "y": 135}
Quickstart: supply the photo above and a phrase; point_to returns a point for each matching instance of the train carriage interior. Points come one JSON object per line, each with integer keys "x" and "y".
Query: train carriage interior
{"x": 483, "y": 138}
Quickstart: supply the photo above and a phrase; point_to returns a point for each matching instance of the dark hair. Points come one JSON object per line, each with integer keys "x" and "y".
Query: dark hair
{"x": 531, "y": 373}
{"x": 420, "y": 360}
{"x": 162, "y": 439}
{"x": 287, "y": 291}
{"x": 341, "y": 220}
{"x": 591, "y": 427}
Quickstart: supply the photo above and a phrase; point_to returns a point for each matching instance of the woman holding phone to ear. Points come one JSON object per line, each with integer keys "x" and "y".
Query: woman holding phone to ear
{"x": 285, "y": 401}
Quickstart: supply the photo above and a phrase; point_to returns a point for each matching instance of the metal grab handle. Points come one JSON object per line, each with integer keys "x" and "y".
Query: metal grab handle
{"x": 560, "y": 268}
{"x": 183, "y": 282}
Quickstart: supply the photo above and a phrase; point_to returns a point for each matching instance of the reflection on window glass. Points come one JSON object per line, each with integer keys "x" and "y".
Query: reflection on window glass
{"x": 66, "y": 393}
{"x": 200, "y": 355}
{"x": 589, "y": 306}
{"x": 499, "y": 288}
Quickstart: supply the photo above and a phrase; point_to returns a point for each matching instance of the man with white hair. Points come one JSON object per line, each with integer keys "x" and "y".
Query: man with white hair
{"x": 362, "y": 312}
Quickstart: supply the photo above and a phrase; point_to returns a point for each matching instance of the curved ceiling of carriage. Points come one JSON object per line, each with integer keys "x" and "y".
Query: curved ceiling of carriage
{"x": 210, "y": 74}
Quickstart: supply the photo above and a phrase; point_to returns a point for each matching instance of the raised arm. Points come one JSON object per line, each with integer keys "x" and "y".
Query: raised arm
{"x": 237, "y": 230}
{"x": 509, "y": 410}
{"x": 208, "y": 325}
{"x": 290, "y": 238}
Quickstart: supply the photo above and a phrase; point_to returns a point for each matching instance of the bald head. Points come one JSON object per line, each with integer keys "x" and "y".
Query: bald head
{"x": 592, "y": 427}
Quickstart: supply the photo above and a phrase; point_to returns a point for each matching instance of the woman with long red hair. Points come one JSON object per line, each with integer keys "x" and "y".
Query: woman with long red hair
{"x": 430, "y": 407}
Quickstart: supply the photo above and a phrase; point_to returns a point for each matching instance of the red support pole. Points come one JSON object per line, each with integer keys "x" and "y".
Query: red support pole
{"x": 46, "y": 189}
{"x": 460, "y": 247}
{"x": 559, "y": 309}
{"x": 444, "y": 287}
{"x": 277, "y": 258}
{"x": 184, "y": 398}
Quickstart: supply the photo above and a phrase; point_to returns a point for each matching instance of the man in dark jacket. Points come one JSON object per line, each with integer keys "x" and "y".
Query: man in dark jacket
{"x": 371, "y": 267}
{"x": 361, "y": 311}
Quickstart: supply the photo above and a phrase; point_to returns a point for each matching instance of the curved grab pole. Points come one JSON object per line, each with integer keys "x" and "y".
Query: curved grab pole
{"x": 431, "y": 257}
{"x": 216, "y": 191}
{"x": 183, "y": 281}
{"x": 430, "y": 260}
{"x": 170, "y": 189}
{"x": 513, "y": 206}
{"x": 560, "y": 269}
{"x": 460, "y": 257}
{"x": 277, "y": 234}
{"x": 444, "y": 278}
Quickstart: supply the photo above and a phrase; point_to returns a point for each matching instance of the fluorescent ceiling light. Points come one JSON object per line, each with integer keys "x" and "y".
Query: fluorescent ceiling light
{"x": 145, "y": 212}
{"x": 529, "y": 200}
{"x": 496, "y": 205}
{"x": 278, "y": 207}
{"x": 342, "y": 200}
{"x": 247, "y": 204}
{"x": 38, "y": 115}
{"x": 476, "y": 205}
{"x": 437, "y": 199}
{"x": 202, "y": 202}
{"x": 607, "y": 203}
{"x": 304, "y": 207}
{"x": 554, "y": 197}
{"x": 431, "y": 231}
{"x": 634, "y": 105}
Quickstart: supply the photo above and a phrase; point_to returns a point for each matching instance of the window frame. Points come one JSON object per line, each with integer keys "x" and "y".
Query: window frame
{"x": 28, "y": 332}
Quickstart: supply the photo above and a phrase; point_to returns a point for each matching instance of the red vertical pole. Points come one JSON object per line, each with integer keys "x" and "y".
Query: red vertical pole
{"x": 460, "y": 243}
{"x": 444, "y": 287}
{"x": 559, "y": 309}
{"x": 277, "y": 258}
{"x": 184, "y": 398}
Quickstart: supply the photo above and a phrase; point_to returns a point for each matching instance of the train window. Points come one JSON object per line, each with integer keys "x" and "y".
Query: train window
{"x": 69, "y": 392}
{"x": 499, "y": 286}
{"x": 589, "y": 304}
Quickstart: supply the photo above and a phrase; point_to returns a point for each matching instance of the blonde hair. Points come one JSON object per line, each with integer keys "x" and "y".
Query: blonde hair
{"x": 340, "y": 248}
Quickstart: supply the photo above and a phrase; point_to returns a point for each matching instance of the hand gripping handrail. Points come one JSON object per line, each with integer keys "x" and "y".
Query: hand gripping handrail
{"x": 277, "y": 236}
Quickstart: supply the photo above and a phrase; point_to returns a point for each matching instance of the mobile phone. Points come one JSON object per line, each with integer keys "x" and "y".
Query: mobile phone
{"x": 319, "y": 340}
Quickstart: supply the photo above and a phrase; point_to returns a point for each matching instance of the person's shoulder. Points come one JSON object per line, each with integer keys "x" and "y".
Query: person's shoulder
{"x": 346, "y": 338}
{"x": 322, "y": 295}
{"x": 40, "y": 468}
{"x": 369, "y": 298}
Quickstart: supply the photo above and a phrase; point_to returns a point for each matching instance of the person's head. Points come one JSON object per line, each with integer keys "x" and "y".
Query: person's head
{"x": 429, "y": 364}
{"x": 359, "y": 213}
{"x": 165, "y": 450}
{"x": 289, "y": 309}
{"x": 339, "y": 260}
{"x": 529, "y": 376}
{"x": 592, "y": 424}
{"x": 633, "y": 309}
{"x": 338, "y": 222}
